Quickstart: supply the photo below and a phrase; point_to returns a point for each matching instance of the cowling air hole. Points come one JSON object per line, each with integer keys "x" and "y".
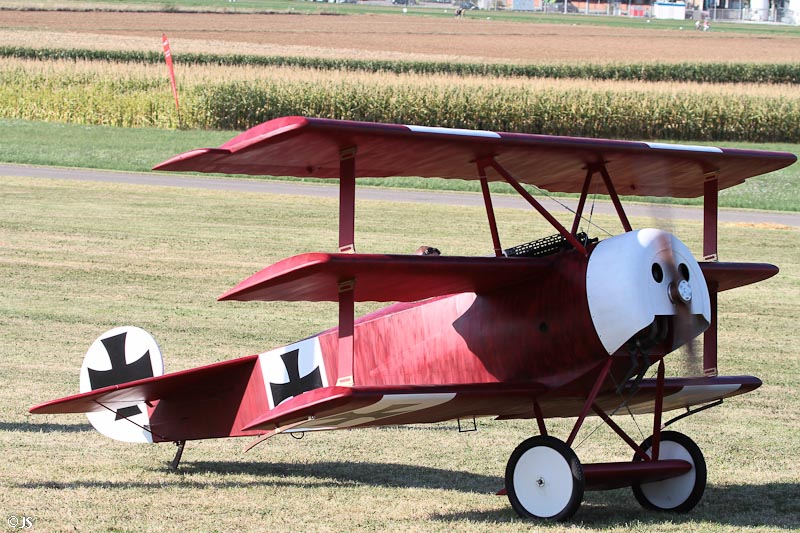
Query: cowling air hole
{"x": 658, "y": 273}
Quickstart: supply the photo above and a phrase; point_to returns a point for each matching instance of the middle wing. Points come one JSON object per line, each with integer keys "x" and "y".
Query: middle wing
{"x": 316, "y": 277}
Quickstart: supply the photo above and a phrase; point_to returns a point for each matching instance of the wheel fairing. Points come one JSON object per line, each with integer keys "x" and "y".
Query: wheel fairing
{"x": 672, "y": 492}
{"x": 679, "y": 494}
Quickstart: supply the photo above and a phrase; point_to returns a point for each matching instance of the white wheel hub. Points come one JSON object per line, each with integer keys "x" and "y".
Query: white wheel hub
{"x": 543, "y": 481}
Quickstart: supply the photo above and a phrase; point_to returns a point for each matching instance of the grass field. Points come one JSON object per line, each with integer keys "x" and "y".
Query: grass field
{"x": 79, "y": 258}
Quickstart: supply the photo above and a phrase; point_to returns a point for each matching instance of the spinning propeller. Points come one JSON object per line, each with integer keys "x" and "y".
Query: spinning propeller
{"x": 679, "y": 289}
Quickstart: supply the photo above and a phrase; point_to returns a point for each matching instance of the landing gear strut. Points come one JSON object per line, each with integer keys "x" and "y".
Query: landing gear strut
{"x": 545, "y": 479}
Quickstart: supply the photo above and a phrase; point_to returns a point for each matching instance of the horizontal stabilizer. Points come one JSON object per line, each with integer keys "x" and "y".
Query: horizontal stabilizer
{"x": 188, "y": 385}
{"x": 316, "y": 277}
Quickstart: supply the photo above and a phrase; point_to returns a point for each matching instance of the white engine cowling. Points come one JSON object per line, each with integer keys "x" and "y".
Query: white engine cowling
{"x": 634, "y": 277}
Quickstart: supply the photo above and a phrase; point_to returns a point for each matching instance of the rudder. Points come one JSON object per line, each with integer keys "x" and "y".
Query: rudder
{"x": 118, "y": 356}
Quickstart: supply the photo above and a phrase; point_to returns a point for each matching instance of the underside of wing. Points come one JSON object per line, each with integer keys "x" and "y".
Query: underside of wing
{"x": 383, "y": 278}
{"x": 683, "y": 393}
{"x": 221, "y": 401}
{"x": 679, "y": 393}
{"x": 311, "y": 147}
{"x": 351, "y": 407}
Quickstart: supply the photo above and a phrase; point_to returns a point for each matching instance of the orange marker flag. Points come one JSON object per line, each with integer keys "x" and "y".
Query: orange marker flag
{"x": 168, "y": 59}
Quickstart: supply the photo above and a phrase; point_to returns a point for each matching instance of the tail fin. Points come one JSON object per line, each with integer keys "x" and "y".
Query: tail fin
{"x": 117, "y": 356}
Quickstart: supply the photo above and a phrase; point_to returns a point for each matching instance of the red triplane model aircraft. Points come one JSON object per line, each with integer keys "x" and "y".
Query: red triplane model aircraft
{"x": 564, "y": 326}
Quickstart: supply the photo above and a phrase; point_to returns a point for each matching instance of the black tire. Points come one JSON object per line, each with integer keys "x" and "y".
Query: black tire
{"x": 544, "y": 479}
{"x": 679, "y": 494}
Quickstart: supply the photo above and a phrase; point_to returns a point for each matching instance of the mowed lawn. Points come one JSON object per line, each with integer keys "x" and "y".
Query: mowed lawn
{"x": 79, "y": 258}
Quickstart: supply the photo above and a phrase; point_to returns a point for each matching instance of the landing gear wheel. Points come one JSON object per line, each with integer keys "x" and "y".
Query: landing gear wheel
{"x": 544, "y": 479}
{"x": 678, "y": 494}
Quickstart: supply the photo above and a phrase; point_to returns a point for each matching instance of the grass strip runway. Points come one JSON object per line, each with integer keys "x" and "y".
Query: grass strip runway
{"x": 78, "y": 258}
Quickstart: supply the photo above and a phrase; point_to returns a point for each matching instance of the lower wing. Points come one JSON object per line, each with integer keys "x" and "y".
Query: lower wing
{"x": 228, "y": 400}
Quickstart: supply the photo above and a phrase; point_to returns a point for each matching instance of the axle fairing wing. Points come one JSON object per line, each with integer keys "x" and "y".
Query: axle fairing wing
{"x": 313, "y": 147}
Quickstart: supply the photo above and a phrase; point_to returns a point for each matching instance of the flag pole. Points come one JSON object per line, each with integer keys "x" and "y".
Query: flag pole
{"x": 168, "y": 59}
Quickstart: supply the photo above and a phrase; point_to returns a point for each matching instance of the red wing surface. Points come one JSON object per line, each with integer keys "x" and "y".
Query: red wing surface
{"x": 350, "y": 407}
{"x": 211, "y": 379}
{"x": 726, "y": 276}
{"x": 383, "y": 278}
{"x": 312, "y": 147}
{"x": 227, "y": 399}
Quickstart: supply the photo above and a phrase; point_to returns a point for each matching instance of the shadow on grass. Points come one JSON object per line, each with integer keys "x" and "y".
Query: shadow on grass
{"x": 336, "y": 473}
{"x": 772, "y": 504}
{"x": 748, "y": 505}
{"x": 311, "y": 475}
{"x": 44, "y": 428}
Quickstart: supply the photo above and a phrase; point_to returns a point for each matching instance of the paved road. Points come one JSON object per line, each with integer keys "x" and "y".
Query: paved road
{"x": 386, "y": 194}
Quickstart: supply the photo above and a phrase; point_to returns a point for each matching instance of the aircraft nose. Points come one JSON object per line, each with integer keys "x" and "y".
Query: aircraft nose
{"x": 637, "y": 276}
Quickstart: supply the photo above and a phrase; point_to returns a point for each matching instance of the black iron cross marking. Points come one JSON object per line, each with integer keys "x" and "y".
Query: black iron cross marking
{"x": 120, "y": 372}
{"x": 296, "y": 385}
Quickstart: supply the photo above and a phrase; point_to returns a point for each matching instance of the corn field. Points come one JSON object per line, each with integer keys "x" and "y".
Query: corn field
{"x": 138, "y": 95}
{"x": 786, "y": 73}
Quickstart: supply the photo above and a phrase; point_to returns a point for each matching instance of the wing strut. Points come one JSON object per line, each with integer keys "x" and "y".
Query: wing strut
{"x": 710, "y": 219}
{"x": 347, "y": 215}
{"x": 612, "y": 192}
{"x": 347, "y": 200}
{"x": 601, "y": 168}
{"x": 506, "y": 175}
{"x": 710, "y": 215}
{"x": 346, "y": 326}
{"x": 487, "y": 200}
{"x": 582, "y": 201}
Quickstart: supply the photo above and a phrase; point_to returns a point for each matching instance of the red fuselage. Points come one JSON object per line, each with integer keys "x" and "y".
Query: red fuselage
{"x": 538, "y": 332}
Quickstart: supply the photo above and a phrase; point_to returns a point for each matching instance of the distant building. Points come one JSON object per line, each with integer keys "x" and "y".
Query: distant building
{"x": 786, "y": 11}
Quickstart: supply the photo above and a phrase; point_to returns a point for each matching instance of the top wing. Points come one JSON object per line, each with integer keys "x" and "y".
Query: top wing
{"x": 312, "y": 147}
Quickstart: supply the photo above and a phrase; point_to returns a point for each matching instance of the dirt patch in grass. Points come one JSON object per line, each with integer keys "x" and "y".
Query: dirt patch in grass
{"x": 392, "y": 36}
